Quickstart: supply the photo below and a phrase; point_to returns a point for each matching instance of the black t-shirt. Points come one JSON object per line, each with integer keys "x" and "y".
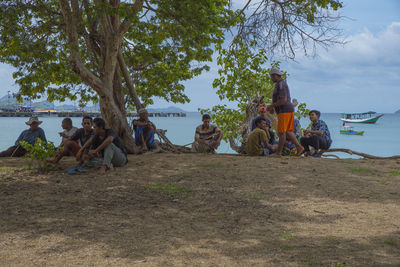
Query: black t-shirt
{"x": 80, "y": 135}
{"x": 96, "y": 142}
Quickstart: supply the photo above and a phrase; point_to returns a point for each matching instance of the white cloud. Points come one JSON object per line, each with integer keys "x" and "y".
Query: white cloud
{"x": 355, "y": 77}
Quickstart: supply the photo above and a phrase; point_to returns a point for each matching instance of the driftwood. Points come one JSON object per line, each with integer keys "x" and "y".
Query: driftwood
{"x": 165, "y": 145}
{"x": 352, "y": 152}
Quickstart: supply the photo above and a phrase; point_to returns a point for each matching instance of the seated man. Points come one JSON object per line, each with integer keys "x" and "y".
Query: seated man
{"x": 71, "y": 145}
{"x": 263, "y": 114}
{"x": 144, "y": 131}
{"x": 319, "y": 137}
{"x": 106, "y": 148}
{"x": 207, "y": 136}
{"x": 30, "y": 135}
{"x": 69, "y": 130}
{"x": 258, "y": 141}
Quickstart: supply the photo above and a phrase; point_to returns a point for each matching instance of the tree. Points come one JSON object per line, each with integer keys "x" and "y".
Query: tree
{"x": 111, "y": 51}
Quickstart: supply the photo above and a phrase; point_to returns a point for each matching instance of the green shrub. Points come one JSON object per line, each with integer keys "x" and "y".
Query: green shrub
{"x": 38, "y": 153}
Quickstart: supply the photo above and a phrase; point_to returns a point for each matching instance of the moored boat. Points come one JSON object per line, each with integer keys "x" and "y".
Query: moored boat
{"x": 366, "y": 117}
{"x": 350, "y": 131}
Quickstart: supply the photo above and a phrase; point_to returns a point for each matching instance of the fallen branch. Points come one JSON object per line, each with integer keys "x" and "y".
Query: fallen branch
{"x": 352, "y": 152}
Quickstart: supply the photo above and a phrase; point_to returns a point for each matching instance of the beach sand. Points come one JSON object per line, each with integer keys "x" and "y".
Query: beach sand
{"x": 203, "y": 210}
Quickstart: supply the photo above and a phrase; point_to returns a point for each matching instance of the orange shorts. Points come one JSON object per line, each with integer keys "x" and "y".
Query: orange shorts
{"x": 285, "y": 122}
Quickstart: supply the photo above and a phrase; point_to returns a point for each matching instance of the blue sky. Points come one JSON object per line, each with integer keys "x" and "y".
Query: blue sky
{"x": 361, "y": 76}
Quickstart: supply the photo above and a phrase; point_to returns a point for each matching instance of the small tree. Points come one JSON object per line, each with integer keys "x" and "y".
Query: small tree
{"x": 38, "y": 153}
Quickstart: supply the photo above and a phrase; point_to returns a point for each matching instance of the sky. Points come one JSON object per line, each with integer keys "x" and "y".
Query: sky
{"x": 360, "y": 76}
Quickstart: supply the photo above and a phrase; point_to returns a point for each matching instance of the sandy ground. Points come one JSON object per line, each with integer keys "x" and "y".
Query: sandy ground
{"x": 203, "y": 210}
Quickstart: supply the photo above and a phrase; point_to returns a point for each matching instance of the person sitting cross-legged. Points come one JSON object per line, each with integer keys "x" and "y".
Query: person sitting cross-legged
{"x": 144, "y": 131}
{"x": 319, "y": 137}
{"x": 258, "y": 140}
{"x": 106, "y": 148}
{"x": 29, "y": 135}
{"x": 207, "y": 136}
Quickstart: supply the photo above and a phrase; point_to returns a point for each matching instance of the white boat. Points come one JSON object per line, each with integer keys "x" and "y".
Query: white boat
{"x": 366, "y": 117}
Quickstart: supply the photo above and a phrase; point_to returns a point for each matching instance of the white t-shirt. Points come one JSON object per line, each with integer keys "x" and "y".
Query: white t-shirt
{"x": 69, "y": 133}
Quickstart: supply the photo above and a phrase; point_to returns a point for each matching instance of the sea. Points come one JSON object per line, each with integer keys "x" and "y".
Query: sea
{"x": 380, "y": 139}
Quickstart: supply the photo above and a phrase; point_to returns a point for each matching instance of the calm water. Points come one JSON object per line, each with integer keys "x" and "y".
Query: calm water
{"x": 380, "y": 139}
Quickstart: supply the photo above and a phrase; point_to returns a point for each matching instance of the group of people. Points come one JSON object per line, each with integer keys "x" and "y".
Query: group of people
{"x": 93, "y": 145}
{"x": 96, "y": 145}
{"x": 261, "y": 140}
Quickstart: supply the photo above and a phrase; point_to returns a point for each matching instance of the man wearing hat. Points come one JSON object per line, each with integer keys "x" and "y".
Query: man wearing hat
{"x": 144, "y": 130}
{"x": 282, "y": 105}
{"x": 30, "y": 135}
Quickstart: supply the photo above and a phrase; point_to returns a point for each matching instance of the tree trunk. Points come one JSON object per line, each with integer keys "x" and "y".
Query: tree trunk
{"x": 116, "y": 120}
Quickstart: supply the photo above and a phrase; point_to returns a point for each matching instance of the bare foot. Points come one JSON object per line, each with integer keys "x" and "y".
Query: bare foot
{"x": 103, "y": 169}
{"x": 300, "y": 150}
{"x": 111, "y": 167}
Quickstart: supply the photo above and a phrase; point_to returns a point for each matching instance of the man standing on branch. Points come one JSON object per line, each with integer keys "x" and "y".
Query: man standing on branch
{"x": 283, "y": 106}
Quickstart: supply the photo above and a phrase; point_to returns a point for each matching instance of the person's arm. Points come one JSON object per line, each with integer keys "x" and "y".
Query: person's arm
{"x": 221, "y": 134}
{"x": 103, "y": 145}
{"x": 20, "y": 137}
{"x": 140, "y": 123}
{"x": 43, "y": 136}
{"x": 317, "y": 132}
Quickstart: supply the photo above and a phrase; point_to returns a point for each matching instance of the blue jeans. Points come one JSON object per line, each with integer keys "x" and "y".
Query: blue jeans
{"x": 147, "y": 134}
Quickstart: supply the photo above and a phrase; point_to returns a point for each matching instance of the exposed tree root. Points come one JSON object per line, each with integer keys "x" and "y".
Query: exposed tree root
{"x": 352, "y": 152}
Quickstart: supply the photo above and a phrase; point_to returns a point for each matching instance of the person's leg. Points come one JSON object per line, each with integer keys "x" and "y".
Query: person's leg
{"x": 138, "y": 135}
{"x": 150, "y": 139}
{"x": 292, "y": 137}
{"x": 114, "y": 155}
{"x": 306, "y": 142}
{"x": 281, "y": 143}
{"x": 93, "y": 162}
{"x": 13, "y": 151}
{"x": 8, "y": 151}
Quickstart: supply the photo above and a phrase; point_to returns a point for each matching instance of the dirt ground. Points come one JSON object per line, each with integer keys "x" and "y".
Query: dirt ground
{"x": 203, "y": 210}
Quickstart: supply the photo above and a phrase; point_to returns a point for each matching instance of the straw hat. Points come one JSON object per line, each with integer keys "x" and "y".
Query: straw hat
{"x": 32, "y": 120}
{"x": 275, "y": 71}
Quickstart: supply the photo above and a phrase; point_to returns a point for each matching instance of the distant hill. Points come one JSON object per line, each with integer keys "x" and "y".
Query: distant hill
{"x": 397, "y": 112}
{"x": 170, "y": 109}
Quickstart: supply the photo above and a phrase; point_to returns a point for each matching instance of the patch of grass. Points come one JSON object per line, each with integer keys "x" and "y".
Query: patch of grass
{"x": 170, "y": 190}
{"x": 361, "y": 170}
{"x": 339, "y": 264}
{"x": 380, "y": 218}
{"x": 237, "y": 219}
{"x": 216, "y": 164}
{"x": 395, "y": 173}
{"x": 288, "y": 246}
{"x": 382, "y": 181}
{"x": 286, "y": 235}
{"x": 189, "y": 176}
{"x": 6, "y": 169}
{"x": 390, "y": 242}
{"x": 256, "y": 198}
{"x": 310, "y": 261}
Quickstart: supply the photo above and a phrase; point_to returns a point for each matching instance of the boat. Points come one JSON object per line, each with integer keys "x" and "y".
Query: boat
{"x": 46, "y": 113}
{"x": 350, "y": 130}
{"x": 366, "y": 117}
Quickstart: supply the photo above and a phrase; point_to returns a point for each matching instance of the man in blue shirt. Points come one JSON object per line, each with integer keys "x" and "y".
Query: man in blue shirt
{"x": 319, "y": 137}
{"x": 30, "y": 135}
